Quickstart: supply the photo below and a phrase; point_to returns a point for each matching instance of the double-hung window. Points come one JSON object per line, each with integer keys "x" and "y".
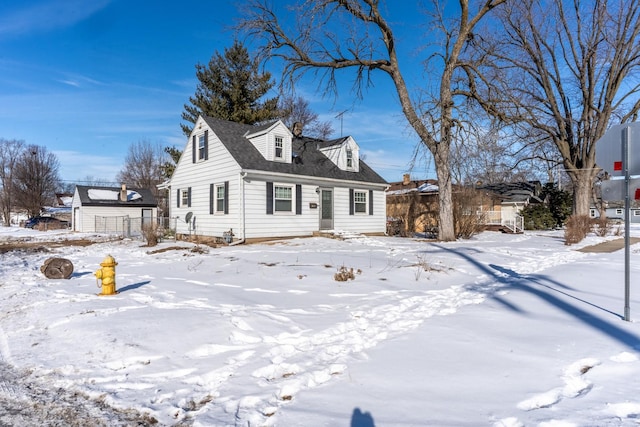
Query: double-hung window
{"x": 220, "y": 199}
{"x": 184, "y": 195}
{"x": 349, "y": 159}
{"x": 202, "y": 146}
{"x": 279, "y": 147}
{"x": 282, "y": 198}
{"x": 360, "y": 201}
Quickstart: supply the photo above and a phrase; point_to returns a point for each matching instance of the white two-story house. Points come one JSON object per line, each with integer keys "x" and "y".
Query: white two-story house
{"x": 243, "y": 182}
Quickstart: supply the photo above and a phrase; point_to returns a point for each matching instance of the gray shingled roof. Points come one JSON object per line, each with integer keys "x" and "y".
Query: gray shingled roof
{"x": 515, "y": 192}
{"x": 147, "y": 200}
{"x": 308, "y": 159}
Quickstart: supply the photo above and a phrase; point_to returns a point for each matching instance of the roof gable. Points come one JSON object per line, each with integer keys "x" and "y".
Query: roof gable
{"x": 258, "y": 130}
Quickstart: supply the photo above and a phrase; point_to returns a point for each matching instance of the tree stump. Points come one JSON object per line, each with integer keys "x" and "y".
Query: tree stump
{"x": 57, "y": 268}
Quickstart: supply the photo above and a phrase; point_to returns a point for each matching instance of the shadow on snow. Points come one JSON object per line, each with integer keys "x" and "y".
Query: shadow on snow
{"x": 551, "y": 292}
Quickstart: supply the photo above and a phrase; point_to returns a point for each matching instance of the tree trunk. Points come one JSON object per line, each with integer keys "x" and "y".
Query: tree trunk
{"x": 446, "y": 228}
{"x": 582, "y": 182}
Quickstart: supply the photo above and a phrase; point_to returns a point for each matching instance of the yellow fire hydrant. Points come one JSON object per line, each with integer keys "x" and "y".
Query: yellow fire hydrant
{"x": 108, "y": 276}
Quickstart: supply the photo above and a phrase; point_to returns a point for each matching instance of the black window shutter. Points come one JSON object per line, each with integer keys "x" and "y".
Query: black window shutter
{"x": 189, "y": 197}
{"x": 178, "y": 197}
{"x": 370, "y": 202}
{"x": 193, "y": 149}
{"x": 226, "y": 197}
{"x": 351, "y": 201}
{"x": 269, "y": 198}
{"x": 211, "y": 198}
{"x": 206, "y": 144}
{"x": 298, "y": 199}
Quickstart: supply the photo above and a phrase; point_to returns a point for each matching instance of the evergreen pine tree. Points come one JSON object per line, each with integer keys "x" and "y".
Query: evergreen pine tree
{"x": 231, "y": 87}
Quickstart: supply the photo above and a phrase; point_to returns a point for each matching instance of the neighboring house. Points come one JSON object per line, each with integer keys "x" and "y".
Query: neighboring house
{"x": 241, "y": 182}
{"x": 61, "y": 209}
{"x": 502, "y": 203}
{"x": 63, "y": 200}
{"x": 615, "y": 211}
{"x": 112, "y": 209}
{"x": 412, "y": 206}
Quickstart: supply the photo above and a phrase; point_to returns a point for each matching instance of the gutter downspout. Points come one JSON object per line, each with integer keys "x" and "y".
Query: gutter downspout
{"x": 241, "y": 204}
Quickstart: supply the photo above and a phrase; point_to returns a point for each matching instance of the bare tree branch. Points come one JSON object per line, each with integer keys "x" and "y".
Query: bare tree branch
{"x": 334, "y": 35}
{"x": 564, "y": 68}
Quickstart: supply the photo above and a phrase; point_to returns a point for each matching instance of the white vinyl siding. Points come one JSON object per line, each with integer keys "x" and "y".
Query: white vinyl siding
{"x": 359, "y": 223}
{"x": 279, "y": 224}
{"x": 199, "y": 177}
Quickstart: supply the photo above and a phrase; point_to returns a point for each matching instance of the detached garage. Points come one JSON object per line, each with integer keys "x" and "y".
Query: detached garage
{"x": 112, "y": 209}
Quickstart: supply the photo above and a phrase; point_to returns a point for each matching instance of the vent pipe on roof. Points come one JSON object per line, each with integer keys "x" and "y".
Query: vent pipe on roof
{"x": 123, "y": 193}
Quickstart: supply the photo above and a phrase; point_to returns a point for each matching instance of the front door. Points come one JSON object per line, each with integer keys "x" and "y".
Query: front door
{"x": 326, "y": 209}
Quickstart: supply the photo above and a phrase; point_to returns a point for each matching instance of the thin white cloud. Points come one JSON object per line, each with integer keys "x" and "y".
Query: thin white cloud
{"x": 78, "y": 80}
{"x": 47, "y": 15}
{"x": 75, "y": 166}
{"x": 70, "y": 83}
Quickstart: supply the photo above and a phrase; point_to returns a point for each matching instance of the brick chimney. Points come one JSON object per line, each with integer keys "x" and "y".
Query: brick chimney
{"x": 123, "y": 193}
{"x": 406, "y": 179}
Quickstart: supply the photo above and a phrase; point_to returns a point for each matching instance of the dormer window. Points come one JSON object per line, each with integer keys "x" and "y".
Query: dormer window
{"x": 279, "y": 147}
{"x": 349, "y": 158}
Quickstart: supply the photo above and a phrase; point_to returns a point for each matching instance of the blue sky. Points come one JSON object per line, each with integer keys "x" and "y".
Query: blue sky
{"x": 86, "y": 79}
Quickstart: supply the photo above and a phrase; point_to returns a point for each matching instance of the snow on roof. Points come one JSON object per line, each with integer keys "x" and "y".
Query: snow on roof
{"x": 98, "y": 194}
{"x": 424, "y": 188}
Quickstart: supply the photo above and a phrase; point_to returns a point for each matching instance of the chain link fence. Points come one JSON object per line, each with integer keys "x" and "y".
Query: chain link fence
{"x": 135, "y": 227}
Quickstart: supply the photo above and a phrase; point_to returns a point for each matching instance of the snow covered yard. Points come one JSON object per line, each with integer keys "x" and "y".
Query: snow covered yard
{"x": 499, "y": 330}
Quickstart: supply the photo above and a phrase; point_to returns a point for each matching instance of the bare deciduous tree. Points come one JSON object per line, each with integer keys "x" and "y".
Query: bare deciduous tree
{"x": 37, "y": 179}
{"x": 488, "y": 152}
{"x": 144, "y": 168}
{"x": 295, "y": 109}
{"x": 10, "y": 151}
{"x": 567, "y": 70}
{"x": 92, "y": 180}
{"x": 369, "y": 45}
